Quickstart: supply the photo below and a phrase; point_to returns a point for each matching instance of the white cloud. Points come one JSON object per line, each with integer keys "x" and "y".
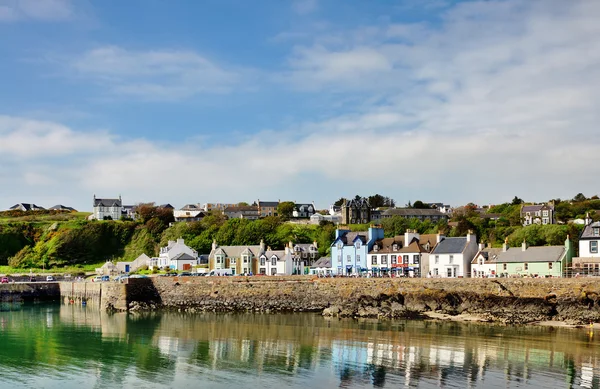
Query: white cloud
{"x": 42, "y": 10}
{"x": 155, "y": 74}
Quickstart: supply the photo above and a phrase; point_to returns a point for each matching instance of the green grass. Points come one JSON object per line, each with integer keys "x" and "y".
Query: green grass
{"x": 61, "y": 270}
{"x": 46, "y": 218}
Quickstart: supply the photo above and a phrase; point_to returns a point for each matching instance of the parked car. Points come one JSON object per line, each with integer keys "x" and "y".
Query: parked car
{"x": 220, "y": 272}
{"x": 97, "y": 279}
{"x": 4, "y": 280}
{"x": 50, "y": 279}
{"x": 138, "y": 276}
{"x": 185, "y": 274}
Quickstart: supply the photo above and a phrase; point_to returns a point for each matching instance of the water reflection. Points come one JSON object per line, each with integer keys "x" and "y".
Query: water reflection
{"x": 80, "y": 347}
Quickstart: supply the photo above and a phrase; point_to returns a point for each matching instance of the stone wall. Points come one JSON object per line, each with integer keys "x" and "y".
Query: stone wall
{"x": 41, "y": 291}
{"x": 105, "y": 295}
{"x": 505, "y": 300}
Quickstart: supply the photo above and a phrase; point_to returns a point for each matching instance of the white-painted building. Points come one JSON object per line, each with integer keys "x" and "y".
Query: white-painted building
{"x": 483, "y": 264}
{"x": 588, "y": 261}
{"x": 451, "y": 257}
{"x": 317, "y": 218}
{"x": 171, "y": 256}
{"x": 107, "y": 209}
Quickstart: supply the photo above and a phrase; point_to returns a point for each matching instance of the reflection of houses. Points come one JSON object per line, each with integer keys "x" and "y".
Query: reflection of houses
{"x": 452, "y": 257}
{"x": 537, "y": 214}
{"x": 541, "y": 260}
{"x": 588, "y": 261}
{"x": 349, "y": 250}
{"x": 249, "y": 212}
{"x": 189, "y": 213}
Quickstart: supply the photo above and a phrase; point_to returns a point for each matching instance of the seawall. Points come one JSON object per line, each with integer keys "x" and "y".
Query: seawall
{"x": 575, "y": 301}
{"x": 501, "y": 300}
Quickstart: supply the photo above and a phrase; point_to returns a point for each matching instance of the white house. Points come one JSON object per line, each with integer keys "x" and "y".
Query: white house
{"x": 279, "y": 262}
{"x": 171, "y": 256}
{"x": 104, "y": 209}
{"x": 317, "y": 218}
{"x": 484, "y": 263}
{"x": 588, "y": 261}
{"x": 303, "y": 210}
{"x": 451, "y": 257}
{"x": 127, "y": 267}
{"x": 189, "y": 213}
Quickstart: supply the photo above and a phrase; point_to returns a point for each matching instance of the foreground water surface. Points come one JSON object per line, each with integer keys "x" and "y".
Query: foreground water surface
{"x": 54, "y": 346}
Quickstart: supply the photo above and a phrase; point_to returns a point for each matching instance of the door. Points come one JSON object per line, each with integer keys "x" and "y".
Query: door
{"x": 126, "y": 268}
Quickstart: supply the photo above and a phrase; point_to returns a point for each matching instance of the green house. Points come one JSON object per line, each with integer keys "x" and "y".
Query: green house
{"x": 542, "y": 261}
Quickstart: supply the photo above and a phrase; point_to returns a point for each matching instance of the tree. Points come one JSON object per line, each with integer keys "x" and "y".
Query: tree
{"x": 517, "y": 201}
{"x": 420, "y": 205}
{"x": 285, "y": 209}
{"x": 378, "y": 200}
{"x": 243, "y": 204}
{"x": 339, "y": 202}
{"x": 579, "y": 197}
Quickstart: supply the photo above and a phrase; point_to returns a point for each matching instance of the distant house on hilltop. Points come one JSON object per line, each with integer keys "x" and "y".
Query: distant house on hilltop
{"x": 249, "y": 212}
{"x": 537, "y": 214}
{"x": 267, "y": 208}
{"x": 356, "y": 211}
{"x": 26, "y": 207}
{"x": 61, "y": 207}
{"x": 107, "y": 209}
{"x": 413, "y": 213}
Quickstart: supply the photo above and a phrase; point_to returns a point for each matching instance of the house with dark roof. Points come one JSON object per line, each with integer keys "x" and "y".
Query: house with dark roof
{"x": 350, "y": 249}
{"x": 250, "y": 212}
{"x": 280, "y": 262}
{"x": 62, "y": 208}
{"x": 540, "y": 261}
{"x": 107, "y": 209}
{"x": 189, "y": 213}
{"x": 267, "y": 208}
{"x": 303, "y": 210}
{"x": 175, "y": 255}
{"x": 305, "y": 252}
{"x": 537, "y": 214}
{"x": 321, "y": 267}
{"x": 588, "y": 261}
{"x": 413, "y": 213}
{"x": 401, "y": 255}
{"x": 483, "y": 264}
{"x": 356, "y": 211}
{"x": 451, "y": 257}
{"x": 25, "y": 207}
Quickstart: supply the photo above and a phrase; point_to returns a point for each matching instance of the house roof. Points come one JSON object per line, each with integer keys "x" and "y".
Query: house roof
{"x": 243, "y": 208}
{"x": 322, "y": 262}
{"x": 489, "y": 254}
{"x": 191, "y": 207}
{"x": 166, "y": 206}
{"x": 183, "y": 257}
{"x": 532, "y": 254}
{"x": 280, "y": 254}
{"x": 588, "y": 231}
{"x": 107, "y": 202}
{"x": 235, "y": 251}
{"x": 536, "y": 207}
{"x": 363, "y": 202}
{"x": 428, "y": 238}
{"x": 273, "y": 204}
{"x": 406, "y": 212}
{"x": 451, "y": 246}
{"x": 349, "y": 237}
{"x": 26, "y": 207}
{"x": 300, "y": 207}
{"x": 61, "y": 207}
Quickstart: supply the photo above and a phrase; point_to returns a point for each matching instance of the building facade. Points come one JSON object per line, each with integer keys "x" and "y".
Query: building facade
{"x": 249, "y": 212}
{"x": 349, "y": 250}
{"x": 412, "y": 213}
{"x": 107, "y": 209}
{"x": 537, "y": 214}
{"x": 452, "y": 257}
{"x": 539, "y": 261}
{"x": 267, "y": 208}
{"x": 588, "y": 261}
{"x": 357, "y": 211}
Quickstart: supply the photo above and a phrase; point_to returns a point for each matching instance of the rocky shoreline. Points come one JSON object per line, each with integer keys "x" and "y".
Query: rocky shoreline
{"x": 571, "y": 301}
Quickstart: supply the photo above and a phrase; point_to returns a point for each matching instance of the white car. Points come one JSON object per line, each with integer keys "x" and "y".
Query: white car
{"x": 50, "y": 279}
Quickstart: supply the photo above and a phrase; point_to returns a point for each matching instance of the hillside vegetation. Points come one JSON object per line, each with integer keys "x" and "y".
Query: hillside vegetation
{"x": 69, "y": 240}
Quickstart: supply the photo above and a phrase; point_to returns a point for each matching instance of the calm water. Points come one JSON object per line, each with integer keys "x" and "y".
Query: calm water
{"x": 53, "y": 346}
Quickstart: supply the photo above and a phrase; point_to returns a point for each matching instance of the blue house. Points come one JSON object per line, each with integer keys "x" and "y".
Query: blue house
{"x": 349, "y": 249}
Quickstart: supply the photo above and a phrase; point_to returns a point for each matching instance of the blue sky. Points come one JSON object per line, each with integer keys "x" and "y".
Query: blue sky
{"x": 307, "y": 100}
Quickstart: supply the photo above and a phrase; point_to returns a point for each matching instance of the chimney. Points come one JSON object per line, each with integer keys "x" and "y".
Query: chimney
{"x": 214, "y": 244}
{"x": 524, "y": 245}
{"x": 180, "y": 240}
{"x": 588, "y": 220}
{"x": 470, "y": 235}
{"x": 439, "y": 237}
{"x": 505, "y": 245}
{"x": 262, "y": 245}
{"x": 481, "y": 246}
{"x": 290, "y": 244}
{"x": 315, "y": 244}
{"x": 287, "y": 250}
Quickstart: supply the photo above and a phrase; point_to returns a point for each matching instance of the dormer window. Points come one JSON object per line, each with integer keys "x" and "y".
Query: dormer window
{"x": 375, "y": 248}
{"x": 340, "y": 245}
{"x": 596, "y": 231}
{"x": 395, "y": 247}
{"x": 358, "y": 244}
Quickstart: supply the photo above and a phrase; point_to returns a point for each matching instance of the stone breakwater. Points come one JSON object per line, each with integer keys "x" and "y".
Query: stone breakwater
{"x": 511, "y": 301}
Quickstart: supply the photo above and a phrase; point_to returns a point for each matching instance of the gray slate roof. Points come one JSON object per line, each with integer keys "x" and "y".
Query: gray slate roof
{"x": 26, "y": 207}
{"x": 236, "y": 251}
{"x": 274, "y": 204}
{"x": 532, "y": 254}
{"x": 107, "y": 203}
{"x": 406, "y": 212}
{"x": 451, "y": 246}
{"x": 588, "y": 231}
{"x": 183, "y": 257}
{"x": 61, "y": 207}
{"x": 349, "y": 237}
{"x": 322, "y": 262}
{"x": 489, "y": 254}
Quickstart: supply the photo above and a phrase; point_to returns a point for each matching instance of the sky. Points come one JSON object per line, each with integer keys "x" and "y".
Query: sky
{"x": 194, "y": 101}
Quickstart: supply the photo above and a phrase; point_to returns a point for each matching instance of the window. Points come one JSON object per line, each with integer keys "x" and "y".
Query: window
{"x": 545, "y": 213}
{"x": 273, "y": 261}
{"x": 437, "y": 259}
{"x": 416, "y": 259}
{"x": 449, "y": 272}
{"x": 526, "y": 266}
{"x": 245, "y": 259}
{"x": 549, "y": 265}
{"x": 262, "y": 261}
{"x": 358, "y": 244}
{"x": 405, "y": 259}
{"x": 384, "y": 259}
{"x": 232, "y": 261}
{"x": 504, "y": 267}
{"x": 373, "y": 259}
{"x": 394, "y": 260}
{"x": 596, "y": 231}
{"x": 358, "y": 258}
{"x": 348, "y": 259}
{"x": 594, "y": 247}
{"x": 451, "y": 260}
{"x": 262, "y": 270}
{"x": 435, "y": 271}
